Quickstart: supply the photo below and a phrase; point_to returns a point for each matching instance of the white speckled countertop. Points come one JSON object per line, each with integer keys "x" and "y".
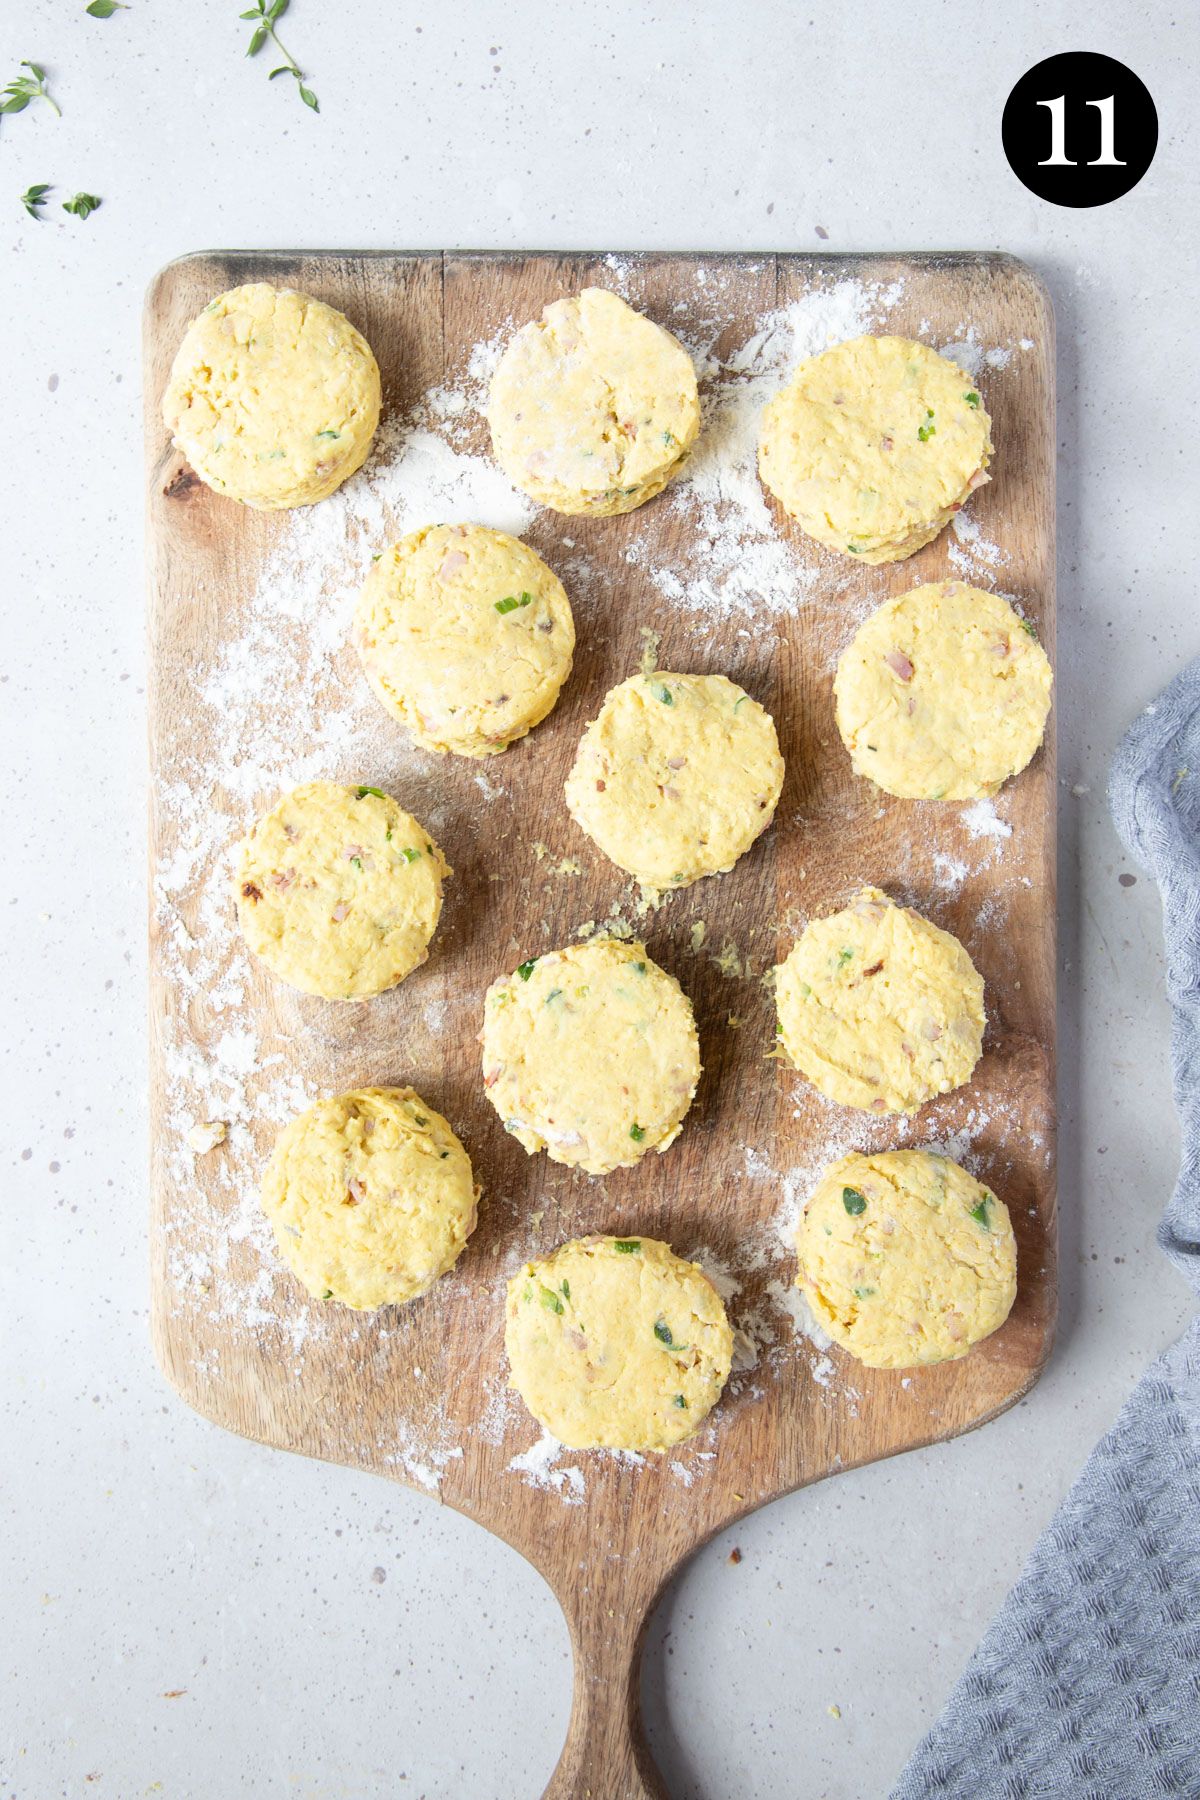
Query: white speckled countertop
{"x": 189, "y": 1615}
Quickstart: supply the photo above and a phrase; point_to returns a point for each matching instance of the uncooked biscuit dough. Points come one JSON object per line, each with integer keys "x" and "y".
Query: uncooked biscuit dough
{"x": 879, "y": 1008}
{"x": 273, "y": 397}
{"x": 593, "y": 407}
{"x": 371, "y": 1197}
{"x": 676, "y": 777}
{"x": 617, "y": 1343}
{"x": 466, "y": 637}
{"x": 905, "y": 1258}
{"x": 942, "y": 694}
{"x": 339, "y": 890}
{"x": 591, "y": 1054}
{"x": 874, "y": 445}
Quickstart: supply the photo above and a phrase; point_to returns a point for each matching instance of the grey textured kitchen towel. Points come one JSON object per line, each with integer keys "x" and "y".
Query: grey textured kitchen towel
{"x": 1087, "y": 1685}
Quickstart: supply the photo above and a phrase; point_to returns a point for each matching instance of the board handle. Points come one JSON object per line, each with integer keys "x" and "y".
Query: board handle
{"x": 605, "y": 1756}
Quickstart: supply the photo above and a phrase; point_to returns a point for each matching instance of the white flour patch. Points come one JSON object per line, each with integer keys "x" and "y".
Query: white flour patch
{"x": 539, "y": 1467}
{"x": 969, "y": 550}
{"x": 982, "y": 821}
{"x": 747, "y": 567}
{"x": 949, "y": 872}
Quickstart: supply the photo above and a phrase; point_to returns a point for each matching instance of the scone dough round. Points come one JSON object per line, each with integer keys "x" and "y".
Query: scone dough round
{"x": 942, "y": 693}
{"x": 676, "y": 777}
{"x": 874, "y": 445}
{"x": 466, "y": 637}
{"x": 339, "y": 890}
{"x": 617, "y": 1343}
{"x": 371, "y": 1197}
{"x": 905, "y": 1258}
{"x": 593, "y": 407}
{"x": 273, "y": 397}
{"x": 591, "y": 1054}
{"x": 880, "y": 1008}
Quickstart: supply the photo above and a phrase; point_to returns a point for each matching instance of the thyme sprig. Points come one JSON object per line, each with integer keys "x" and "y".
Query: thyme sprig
{"x": 265, "y": 17}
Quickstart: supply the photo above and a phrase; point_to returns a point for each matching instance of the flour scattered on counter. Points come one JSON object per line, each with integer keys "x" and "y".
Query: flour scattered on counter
{"x": 747, "y": 566}
{"x": 949, "y": 872}
{"x": 539, "y": 1466}
{"x": 983, "y": 821}
{"x": 969, "y": 548}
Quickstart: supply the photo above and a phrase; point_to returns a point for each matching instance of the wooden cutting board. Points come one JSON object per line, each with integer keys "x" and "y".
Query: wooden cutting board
{"x": 253, "y": 685}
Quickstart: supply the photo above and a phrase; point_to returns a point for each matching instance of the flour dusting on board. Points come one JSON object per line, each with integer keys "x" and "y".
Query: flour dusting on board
{"x": 284, "y": 700}
{"x": 749, "y": 568}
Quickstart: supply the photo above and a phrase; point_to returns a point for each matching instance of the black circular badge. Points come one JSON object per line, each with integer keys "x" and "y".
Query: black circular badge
{"x": 1079, "y": 129}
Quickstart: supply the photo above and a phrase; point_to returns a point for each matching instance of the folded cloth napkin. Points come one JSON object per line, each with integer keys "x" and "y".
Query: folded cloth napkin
{"x": 1087, "y": 1684}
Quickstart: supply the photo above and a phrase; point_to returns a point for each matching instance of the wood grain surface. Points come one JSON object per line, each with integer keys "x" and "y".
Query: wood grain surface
{"x": 419, "y": 1395}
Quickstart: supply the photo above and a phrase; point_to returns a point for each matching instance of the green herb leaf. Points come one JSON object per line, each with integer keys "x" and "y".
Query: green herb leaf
{"x": 265, "y": 18}
{"x": 853, "y": 1201}
{"x": 554, "y": 994}
{"x": 863, "y": 1293}
{"x": 926, "y": 431}
{"x": 357, "y": 862}
{"x": 854, "y": 549}
{"x": 411, "y": 855}
{"x": 1028, "y": 629}
{"x": 740, "y": 702}
{"x": 82, "y": 204}
{"x": 640, "y": 967}
{"x": 662, "y": 692}
{"x": 845, "y": 955}
{"x": 662, "y": 1332}
{"x": 328, "y": 1294}
{"x": 980, "y": 1213}
{"x": 680, "y": 1402}
{"x": 35, "y": 197}
{"x": 329, "y": 434}
{"x": 511, "y": 602}
{"x": 362, "y": 792}
{"x": 626, "y": 1246}
{"x": 972, "y": 399}
{"x": 525, "y": 969}
{"x": 104, "y": 9}
{"x": 566, "y": 1289}
{"x": 637, "y": 1133}
{"x": 24, "y": 88}
{"x": 420, "y": 1120}
{"x": 551, "y": 1301}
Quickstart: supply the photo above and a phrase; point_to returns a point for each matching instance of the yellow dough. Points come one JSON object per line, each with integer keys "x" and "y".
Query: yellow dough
{"x": 617, "y": 1343}
{"x": 591, "y": 1054}
{"x": 874, "y": 445}
{"x": 676, "y": 777}
{"x": 273, "y": 398}
{"x": 879, "y": 1008}
{"x": 466, "y": 636}
{"x": 593, "y": 407}
{"x": 942, "y": 694}
{"x": 370, "y": 1196}
{"x": 339, "y": 890}
{"x": 905, "y": 1258}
